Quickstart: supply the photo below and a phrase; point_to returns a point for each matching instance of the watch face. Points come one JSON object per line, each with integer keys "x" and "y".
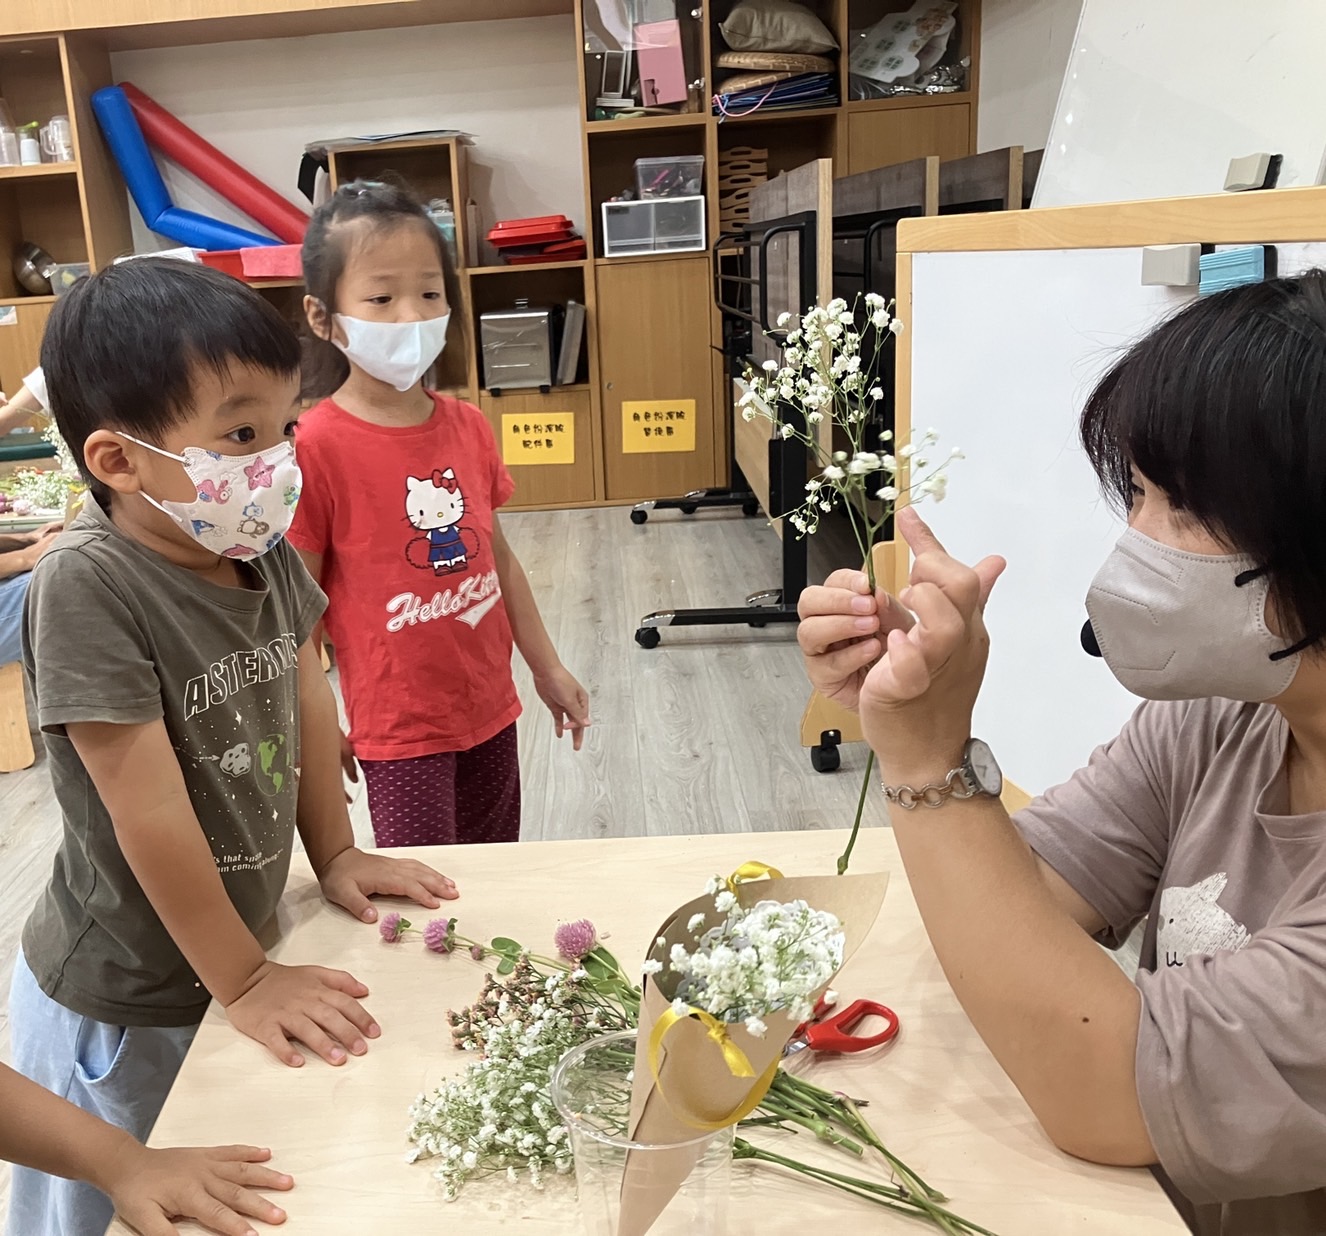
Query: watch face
{"x": 984, "y": 768}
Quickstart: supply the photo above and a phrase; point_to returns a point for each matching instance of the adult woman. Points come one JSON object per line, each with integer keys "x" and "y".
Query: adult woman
{"x": 1207, "y": 813}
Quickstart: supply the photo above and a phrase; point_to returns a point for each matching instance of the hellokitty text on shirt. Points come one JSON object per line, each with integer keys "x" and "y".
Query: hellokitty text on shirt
{"x": 402, "y": 520}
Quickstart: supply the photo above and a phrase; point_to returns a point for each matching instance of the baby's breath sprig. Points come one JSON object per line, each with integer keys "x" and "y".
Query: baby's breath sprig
{"x": 830, "y": 372}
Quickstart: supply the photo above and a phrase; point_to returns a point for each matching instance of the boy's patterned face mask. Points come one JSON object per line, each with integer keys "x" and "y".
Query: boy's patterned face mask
{"x": 245, "y": 503}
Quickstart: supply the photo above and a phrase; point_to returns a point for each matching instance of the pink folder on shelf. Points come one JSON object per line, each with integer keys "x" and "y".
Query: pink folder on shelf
{"x": 660, "y": 63}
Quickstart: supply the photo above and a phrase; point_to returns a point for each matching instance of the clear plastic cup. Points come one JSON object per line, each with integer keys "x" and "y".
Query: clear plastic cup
{"x": 625, "y": 1187}
{"x": 8, "y": 137}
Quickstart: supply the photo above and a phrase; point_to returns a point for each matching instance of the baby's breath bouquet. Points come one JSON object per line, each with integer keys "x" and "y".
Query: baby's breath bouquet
{"x": 49, "y": 489}
{"x": 771, "y": 956}
{"x": 830, "y": 373}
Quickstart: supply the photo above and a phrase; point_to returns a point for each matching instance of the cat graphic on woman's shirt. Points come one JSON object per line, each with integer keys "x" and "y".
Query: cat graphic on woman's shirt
{"x": 435, "y": 505}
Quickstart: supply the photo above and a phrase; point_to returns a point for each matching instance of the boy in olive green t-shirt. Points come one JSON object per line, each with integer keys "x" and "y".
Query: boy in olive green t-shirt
{"x": 188, "y": 722}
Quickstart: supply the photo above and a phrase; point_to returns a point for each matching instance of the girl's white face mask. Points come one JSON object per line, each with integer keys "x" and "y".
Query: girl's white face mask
{"x": 245, "y": 503}
{"x": 1178, "y": 626}
{"x": 398, "y": 353}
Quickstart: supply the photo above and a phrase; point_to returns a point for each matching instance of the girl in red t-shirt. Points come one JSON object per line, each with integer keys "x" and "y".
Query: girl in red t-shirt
{"x": 398, "y": 522}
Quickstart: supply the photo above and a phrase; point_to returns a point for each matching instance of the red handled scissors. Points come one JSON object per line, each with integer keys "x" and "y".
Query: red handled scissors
{"x": 825, "y": 1033}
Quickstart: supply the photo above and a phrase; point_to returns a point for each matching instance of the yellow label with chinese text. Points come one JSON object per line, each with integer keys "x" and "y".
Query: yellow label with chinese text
{"x": 542, "y": 438}
{"x": 652, "y": 426}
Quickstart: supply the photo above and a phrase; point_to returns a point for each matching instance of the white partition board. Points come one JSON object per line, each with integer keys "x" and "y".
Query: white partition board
{"x": 1158, "y": 97}
{"x": 1006, "y": 346}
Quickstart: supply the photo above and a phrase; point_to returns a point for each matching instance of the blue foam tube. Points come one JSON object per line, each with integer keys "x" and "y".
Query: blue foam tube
{"x": 199, "y": 232}
{"x": 127, "y": 144}
{"x": 185, "y": 227}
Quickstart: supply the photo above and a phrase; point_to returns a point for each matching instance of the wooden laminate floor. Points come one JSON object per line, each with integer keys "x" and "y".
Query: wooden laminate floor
{"x": 699, "y": 735}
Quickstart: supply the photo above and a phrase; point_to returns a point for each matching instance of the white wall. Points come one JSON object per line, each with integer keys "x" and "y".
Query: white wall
{"x": 512, "y": 84}
{"x": 1025, "y": 45}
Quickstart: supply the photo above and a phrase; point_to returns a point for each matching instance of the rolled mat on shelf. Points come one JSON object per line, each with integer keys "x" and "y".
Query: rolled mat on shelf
{"x": 218, "y": 171}
{"x": 148, "y": 190}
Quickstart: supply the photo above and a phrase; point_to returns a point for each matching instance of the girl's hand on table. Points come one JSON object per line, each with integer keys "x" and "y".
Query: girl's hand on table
{"x": 309, "y": 1004}
{"x": 912, "y": 670}
{"x": 217, "y": 1186}
{"x": 568, "y": 702}
{"x": 353, "y": 876}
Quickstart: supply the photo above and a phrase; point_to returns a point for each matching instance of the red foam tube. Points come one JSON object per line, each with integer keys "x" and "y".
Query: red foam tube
{"x": 177, "y": 141}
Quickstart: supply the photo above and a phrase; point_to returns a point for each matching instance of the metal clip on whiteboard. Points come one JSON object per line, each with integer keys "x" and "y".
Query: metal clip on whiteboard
{"x": 1254, "y": 171}
{"x": 1232, "y": 268}
{"x": 1173, "y": 266}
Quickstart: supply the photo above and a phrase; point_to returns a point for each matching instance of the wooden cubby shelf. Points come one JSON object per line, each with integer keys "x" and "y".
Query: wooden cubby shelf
{"x": 648, "y": 305}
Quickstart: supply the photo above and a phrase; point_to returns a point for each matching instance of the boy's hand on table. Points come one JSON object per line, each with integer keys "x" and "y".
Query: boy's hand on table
{"x": 316, "y": 1006}
{"x": 217, "y": 1186}
{"x": 353, "y": 876}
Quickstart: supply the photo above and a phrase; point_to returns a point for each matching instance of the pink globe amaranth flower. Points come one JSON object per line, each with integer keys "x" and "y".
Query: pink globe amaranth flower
{"x": 478, "y": 952}
{"x": 574, "y": 940}
{"x": 392, "y": 926}
{"x": 437, "y": 935}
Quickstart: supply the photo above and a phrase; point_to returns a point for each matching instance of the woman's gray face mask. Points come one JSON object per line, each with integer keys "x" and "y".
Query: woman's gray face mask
{"x": 1173, "y": 625}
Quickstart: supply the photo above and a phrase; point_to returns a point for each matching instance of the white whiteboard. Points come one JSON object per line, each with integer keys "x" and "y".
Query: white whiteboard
{"x": 1159, "y": 95}
{"x": 1005, "y": 348}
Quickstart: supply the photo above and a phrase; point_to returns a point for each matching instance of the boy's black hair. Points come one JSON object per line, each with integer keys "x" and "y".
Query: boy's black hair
{"x": 326, "y": 250}
{"x": 122, "y": 347}
{"x": 1223, "y": 407}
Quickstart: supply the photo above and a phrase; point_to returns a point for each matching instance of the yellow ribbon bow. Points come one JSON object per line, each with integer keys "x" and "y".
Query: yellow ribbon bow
{"x": 751, "y": 871}
{"x": 736, "y": 1060}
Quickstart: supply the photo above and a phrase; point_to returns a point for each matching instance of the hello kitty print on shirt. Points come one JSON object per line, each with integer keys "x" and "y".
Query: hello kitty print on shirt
{"x": 1193, "y": 922}
{"x": 435, "y": 505}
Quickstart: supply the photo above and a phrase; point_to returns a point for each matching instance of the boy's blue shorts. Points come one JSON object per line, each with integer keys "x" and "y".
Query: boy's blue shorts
{"x": 120, "y": 1074}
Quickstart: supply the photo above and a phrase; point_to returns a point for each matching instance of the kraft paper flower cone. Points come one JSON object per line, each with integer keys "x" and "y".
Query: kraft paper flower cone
{"x": 691, "y": 1077}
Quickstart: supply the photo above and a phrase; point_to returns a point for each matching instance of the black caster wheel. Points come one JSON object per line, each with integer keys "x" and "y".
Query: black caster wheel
{"x": 750, "y": 508}
{"x": 825, "y": 759}
{"x": 648, "y": 637}
{"x": 688, "y": 508}
{"x": 758, "y": 626}
{"x": 639, "y": 517}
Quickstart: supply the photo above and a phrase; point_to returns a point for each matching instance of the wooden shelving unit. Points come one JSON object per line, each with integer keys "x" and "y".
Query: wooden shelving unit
{"x": 648, "y": 307}
{"x": 76, "y": 211}
{"x": 650, "y": 326}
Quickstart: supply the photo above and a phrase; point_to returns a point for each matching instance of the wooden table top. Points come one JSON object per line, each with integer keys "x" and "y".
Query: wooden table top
{"x": 938, "y": 1099}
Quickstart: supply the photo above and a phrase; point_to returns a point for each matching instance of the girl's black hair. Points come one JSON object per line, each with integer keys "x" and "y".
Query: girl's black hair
{"x": 123, "y": 347}
{"x": 326, "y": 252}
{"x": 1223, "y": 407}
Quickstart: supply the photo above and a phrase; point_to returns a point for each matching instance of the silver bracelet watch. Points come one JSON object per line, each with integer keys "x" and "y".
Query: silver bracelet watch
{"x": 978, "y": 774}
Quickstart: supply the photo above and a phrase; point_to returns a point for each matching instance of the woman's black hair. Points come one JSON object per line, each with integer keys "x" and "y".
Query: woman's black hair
{"x": 1223, "y": 408}
{"x": 123, "y": 347}
{"x": 325, "y": 254}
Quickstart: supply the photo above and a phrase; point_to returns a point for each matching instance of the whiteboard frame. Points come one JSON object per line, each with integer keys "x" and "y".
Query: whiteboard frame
{"x": 1290, "y": 217}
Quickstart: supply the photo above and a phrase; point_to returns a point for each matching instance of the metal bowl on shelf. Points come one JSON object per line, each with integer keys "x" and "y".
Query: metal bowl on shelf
{"x": 33, "y": 268}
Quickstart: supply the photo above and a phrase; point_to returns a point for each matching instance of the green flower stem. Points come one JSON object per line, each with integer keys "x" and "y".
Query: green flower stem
{"x": 881, "y": 1195}
{"x": 814, "y": 1123}
{"x": 846, "y": 856}
{"x": 846, "y": 1112}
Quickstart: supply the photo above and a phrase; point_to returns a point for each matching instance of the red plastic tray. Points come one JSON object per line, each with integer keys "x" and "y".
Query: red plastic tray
{"x": 228, "y": 260}
{"x": 566, "y": 251}
{"x": 533, "y": 221}
{"x": 524, "y": 239}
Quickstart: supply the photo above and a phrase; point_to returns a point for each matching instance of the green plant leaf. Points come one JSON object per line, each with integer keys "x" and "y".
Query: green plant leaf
{"x": 508, "y": 948}
{"x": 596, "y": 967}
{"x": 507, "y": 965}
